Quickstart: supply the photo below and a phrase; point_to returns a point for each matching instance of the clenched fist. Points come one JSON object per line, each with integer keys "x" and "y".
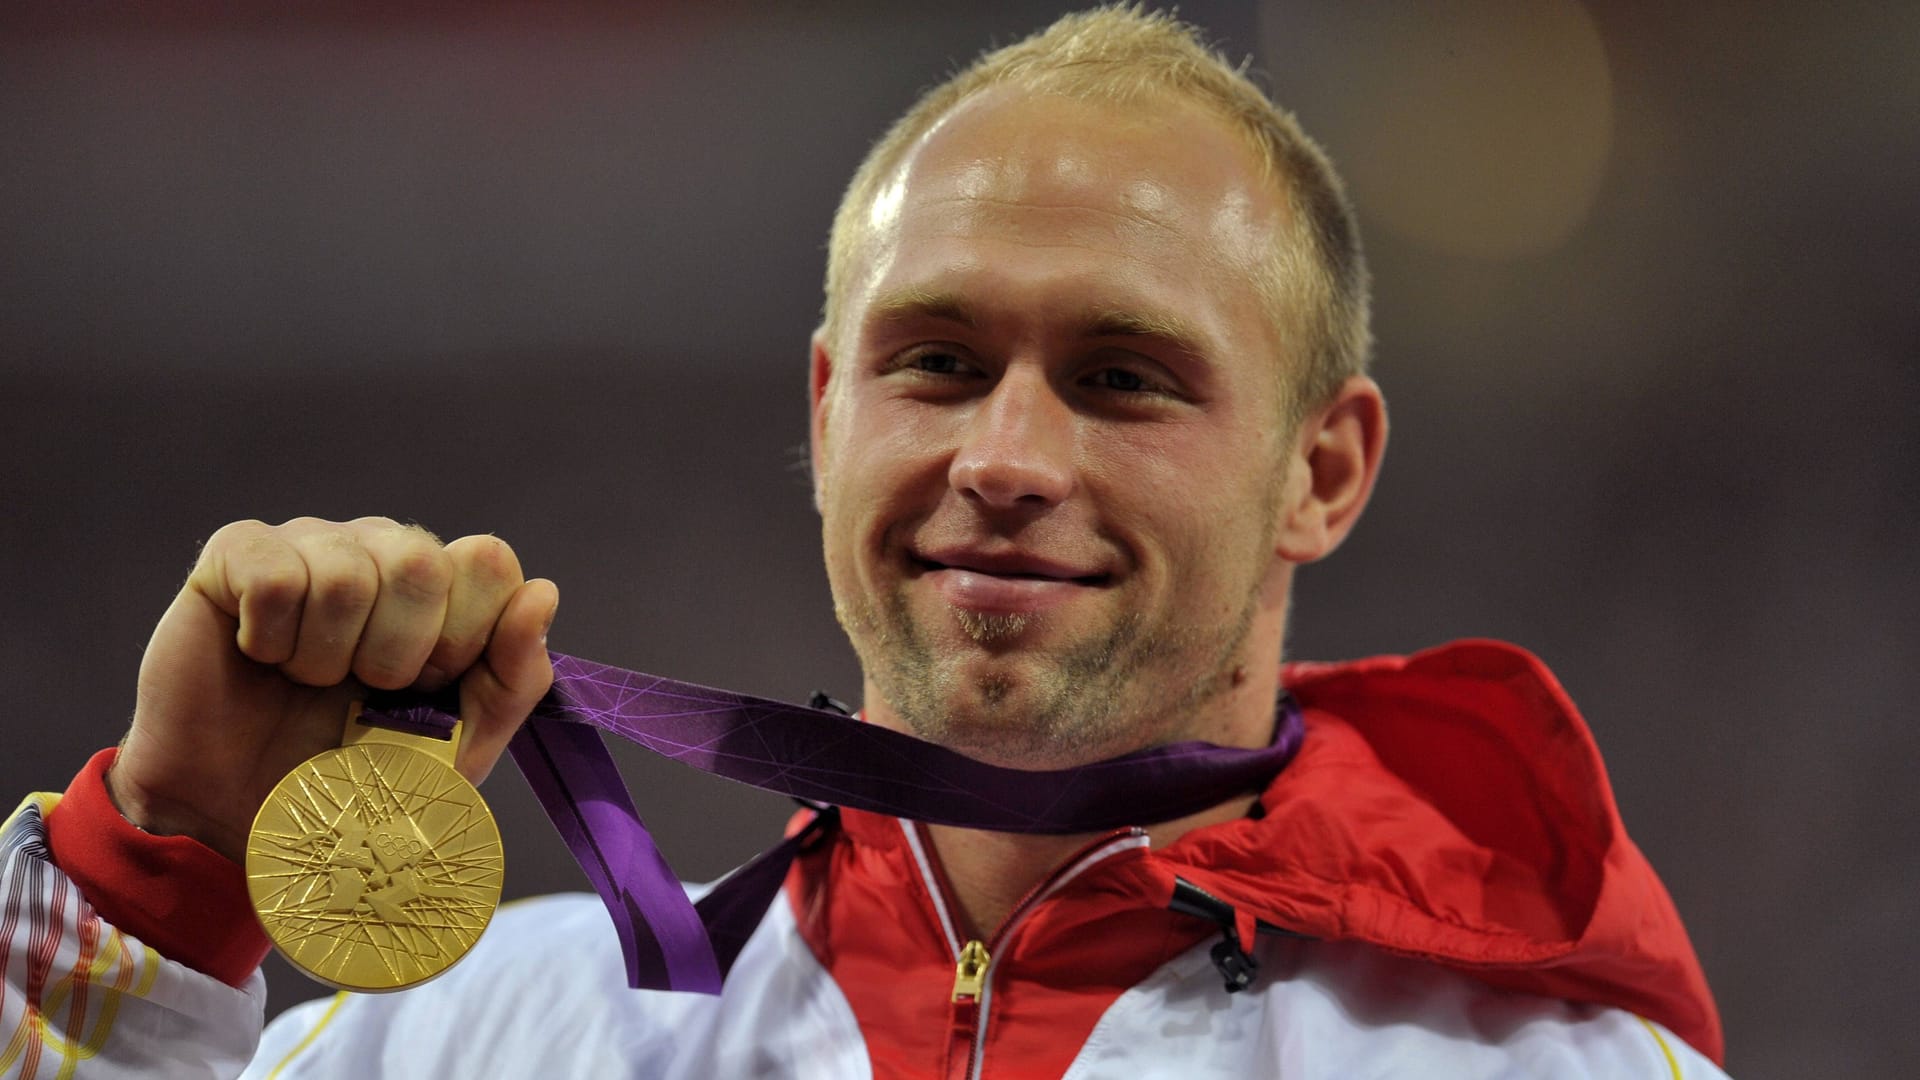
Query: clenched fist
{"x": 252, "y": 668}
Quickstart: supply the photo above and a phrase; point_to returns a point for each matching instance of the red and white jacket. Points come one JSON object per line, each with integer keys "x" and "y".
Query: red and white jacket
{"x": 1438, "y": 885}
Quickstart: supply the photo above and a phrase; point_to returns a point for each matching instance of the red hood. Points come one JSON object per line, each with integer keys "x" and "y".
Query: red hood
{"x": 1452, "y": 806}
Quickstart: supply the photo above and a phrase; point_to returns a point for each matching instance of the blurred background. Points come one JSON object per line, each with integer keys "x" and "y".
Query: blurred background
{"x": 1646, "y": 284}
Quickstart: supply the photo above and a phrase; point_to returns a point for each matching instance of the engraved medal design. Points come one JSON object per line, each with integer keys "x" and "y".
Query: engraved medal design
{"x": 375, "y": 866}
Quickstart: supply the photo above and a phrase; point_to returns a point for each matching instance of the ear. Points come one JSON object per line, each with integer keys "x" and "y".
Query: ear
{"x": 1330, "y": 475}
{"x": 819, "y": 378}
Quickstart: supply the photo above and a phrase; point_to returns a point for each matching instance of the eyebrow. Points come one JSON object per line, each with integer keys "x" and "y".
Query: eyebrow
{"x": 915, "y": 303}
{"x": 909, "y": 304}
{"x": 1169, "y": 329}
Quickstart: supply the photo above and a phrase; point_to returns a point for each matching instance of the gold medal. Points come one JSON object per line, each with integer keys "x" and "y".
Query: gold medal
{"x": 375, "y": 866}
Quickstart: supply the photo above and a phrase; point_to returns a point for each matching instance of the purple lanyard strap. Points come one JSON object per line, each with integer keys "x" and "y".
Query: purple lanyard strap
{"x": 810, "y": 754}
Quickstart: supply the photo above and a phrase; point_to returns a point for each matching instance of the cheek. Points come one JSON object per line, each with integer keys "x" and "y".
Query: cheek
{"x": 884, "y": 443}
{"x": 1201, "y": 501}
{"x": 878, "y": 460}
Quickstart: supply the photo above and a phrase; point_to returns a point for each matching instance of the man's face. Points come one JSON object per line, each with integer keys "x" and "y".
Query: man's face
{"x": 1049, "y": 450}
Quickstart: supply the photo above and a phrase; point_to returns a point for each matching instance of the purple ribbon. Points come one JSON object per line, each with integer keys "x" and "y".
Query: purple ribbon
{"x": 817, "y": 756}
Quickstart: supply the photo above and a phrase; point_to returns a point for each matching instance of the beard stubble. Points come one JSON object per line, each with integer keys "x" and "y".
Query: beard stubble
{"x": 1094, "y": 698}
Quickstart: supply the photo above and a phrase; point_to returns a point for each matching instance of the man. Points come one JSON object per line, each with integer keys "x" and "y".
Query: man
{"x": 1090, "y": 386}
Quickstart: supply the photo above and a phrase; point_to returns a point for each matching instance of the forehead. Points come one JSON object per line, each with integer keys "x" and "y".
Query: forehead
{"x": 1161, "y": 196}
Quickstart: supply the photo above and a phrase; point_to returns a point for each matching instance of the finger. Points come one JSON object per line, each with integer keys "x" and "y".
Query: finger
{"x": 250, "y": 572}
{"x": 497, "y": 694}
{"x": 342, "y": 584}
{"x": 485, "y": 575}
{"x": 414, "y": 575}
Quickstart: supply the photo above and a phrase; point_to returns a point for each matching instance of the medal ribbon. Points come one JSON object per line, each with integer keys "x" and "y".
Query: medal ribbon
{"x": 814, "y": 755}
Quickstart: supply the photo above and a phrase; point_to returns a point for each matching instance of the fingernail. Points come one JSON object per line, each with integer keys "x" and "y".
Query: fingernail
{"x": 548, "y": 625}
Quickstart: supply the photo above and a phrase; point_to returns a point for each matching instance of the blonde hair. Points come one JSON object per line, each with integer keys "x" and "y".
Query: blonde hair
{"x": 1316, "y": 283}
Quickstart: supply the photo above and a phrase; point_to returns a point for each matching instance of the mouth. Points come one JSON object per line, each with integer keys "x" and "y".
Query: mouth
{"x": 1009, "y": 568}
{"x": 1005, "y": 584}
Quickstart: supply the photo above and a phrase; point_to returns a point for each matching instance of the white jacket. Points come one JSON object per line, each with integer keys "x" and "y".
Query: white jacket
{"x": 1445, "y": 841}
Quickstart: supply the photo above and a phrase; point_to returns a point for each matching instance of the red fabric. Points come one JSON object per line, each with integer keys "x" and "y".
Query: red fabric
{"x": 863, "y": 911}
{"x": 1449, "y": 806}
{"x": 173, "y": 893}
{"x": 1452, "y": 806}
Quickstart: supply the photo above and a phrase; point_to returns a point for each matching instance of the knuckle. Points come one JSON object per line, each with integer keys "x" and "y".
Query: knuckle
{"x": 237, "y": 531}
{"x": 228, "y": 540}
{"x": 420, "y": 573}
{"x": 344, "y": 591}
{"x": 262, "y": 548}
{"x": 306, "y": 523}
{"x": 488, "y": 560}
{"x": 278, "y": 587}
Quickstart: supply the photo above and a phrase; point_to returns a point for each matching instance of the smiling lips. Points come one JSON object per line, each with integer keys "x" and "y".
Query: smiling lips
{"x": 1011, "y": 583}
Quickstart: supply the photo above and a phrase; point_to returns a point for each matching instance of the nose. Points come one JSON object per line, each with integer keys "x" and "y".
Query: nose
{"x": 1018, "y": 446}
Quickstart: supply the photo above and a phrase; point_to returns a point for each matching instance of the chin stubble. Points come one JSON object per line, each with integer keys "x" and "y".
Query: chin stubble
{"x": 989, "y": 629}
{"x": 1086, "y": 704}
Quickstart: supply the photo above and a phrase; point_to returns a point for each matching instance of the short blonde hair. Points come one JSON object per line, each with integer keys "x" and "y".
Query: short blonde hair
{"x": 1316, "y": 284}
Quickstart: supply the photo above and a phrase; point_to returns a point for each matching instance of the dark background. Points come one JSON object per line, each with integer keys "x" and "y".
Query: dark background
{"x": 1646, "y": 307}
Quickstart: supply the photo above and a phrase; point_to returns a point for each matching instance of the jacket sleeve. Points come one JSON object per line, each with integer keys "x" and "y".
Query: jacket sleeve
{"x": 83, "y": 997}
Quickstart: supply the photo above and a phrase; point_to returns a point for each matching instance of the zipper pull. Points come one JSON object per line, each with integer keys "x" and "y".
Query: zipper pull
{"x": 971, "y": 972}
{"x": 1235, "y": 964}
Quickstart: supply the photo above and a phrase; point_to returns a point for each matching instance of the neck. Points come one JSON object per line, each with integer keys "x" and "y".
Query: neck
{"x": 990, "y": 872}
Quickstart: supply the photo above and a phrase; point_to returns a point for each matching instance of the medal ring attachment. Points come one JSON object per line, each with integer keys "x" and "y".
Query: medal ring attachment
{"x": 375, "y": 866}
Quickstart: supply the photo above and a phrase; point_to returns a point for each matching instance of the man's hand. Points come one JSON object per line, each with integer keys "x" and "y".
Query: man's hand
{"x": 251, "y": 670}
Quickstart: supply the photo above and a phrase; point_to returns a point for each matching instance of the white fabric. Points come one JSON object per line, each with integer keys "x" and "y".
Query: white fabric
{"x": 1353, "y": 1012}
{"x": 544, "y": 995}
{"x": 82, "y": 999}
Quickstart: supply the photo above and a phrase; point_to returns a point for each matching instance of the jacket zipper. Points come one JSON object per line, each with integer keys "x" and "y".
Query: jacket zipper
{"x": 973, "y": 959}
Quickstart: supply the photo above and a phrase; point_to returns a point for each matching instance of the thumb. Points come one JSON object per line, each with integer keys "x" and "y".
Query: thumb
{"x": 497, "y": 693}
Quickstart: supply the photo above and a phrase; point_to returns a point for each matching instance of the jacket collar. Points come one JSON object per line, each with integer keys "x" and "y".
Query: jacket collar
{"x": 1450, "y": 806}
